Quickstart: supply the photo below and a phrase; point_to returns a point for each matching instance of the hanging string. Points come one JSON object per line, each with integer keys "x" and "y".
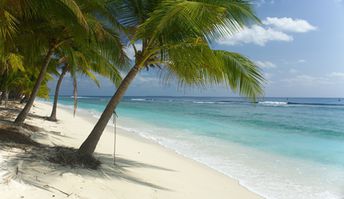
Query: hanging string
{"x": 114, "y": 116}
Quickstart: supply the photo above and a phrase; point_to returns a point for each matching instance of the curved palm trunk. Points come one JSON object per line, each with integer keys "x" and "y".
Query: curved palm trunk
{"x": 22, "y": 115}
{"x": 89, "y": 145}
{"x": 56, "y": 96}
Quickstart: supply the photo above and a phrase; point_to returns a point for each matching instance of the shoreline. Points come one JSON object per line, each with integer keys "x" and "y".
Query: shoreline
{"x": 152, "y": 170}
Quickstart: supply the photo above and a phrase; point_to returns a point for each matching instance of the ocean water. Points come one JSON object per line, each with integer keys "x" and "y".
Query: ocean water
{"x": 278, "y": 147}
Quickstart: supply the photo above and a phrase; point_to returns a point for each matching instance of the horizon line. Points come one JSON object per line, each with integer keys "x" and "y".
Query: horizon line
{"x": 197, "y": 96}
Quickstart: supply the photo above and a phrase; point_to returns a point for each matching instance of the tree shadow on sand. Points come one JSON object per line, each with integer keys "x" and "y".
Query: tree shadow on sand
{"x": 30, "y": 162}
{"x": 11, "y": 112}
{"x": 7, "y": 116}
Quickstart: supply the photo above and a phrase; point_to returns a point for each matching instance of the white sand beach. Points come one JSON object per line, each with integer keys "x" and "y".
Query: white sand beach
{"x": 144, "y": 169}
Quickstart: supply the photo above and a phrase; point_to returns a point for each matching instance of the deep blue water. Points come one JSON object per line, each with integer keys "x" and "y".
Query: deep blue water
{"x": 295, "y": 145}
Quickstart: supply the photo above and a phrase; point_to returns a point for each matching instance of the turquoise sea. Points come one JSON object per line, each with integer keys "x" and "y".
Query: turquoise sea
{"x": 278, "y": 147}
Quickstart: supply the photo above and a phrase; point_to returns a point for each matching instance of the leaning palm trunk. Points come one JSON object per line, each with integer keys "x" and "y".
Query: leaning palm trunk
{"x": 22, "y": 115}
{"x": 89, "y": 145}
{"x": 56, "y": 96}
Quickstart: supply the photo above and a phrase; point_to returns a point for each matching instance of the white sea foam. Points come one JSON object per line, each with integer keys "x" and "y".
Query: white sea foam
{"x": 80, "y": 97}
{"x": 273, "y": 103}
{"x": 138, "y": 99}
{"x": 201, "y": 102}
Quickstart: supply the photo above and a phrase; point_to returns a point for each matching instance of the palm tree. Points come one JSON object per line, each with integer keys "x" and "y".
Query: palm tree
{"x": 43, "y": 22}
{"x": 87, "y": 61}
{"x": 175, "y": 36}
{"x": 64, "y": 24}
{"x": 57, "y": 90}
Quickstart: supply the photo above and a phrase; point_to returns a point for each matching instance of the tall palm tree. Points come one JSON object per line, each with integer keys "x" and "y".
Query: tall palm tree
{"x": 175, "y": 36}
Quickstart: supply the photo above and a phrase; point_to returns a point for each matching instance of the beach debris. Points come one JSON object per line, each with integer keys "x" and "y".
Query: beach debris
{"x": 70, "y": 157}
{"x": 57, "y": 189}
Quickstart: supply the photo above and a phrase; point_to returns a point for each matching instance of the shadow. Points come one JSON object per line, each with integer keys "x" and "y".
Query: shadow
{"x": 30, "y": 164}
{"x": 10, "y": 113}
{"x": 39, "y": 133}
{"x": 124, "y": 163}
{"x": 10, "y": 109}
{"x": 10, "y": 136}
{"x": 119, "y": 170}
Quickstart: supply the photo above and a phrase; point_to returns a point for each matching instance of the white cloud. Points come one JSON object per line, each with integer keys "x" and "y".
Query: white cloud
{"x": 143, "y": 81}
{"x": 273, "y": 29}
{"x": 289, "y": 25}
{"x": 337, "y": 74}
{"x": 307, "y": 80}
{"x": 301, "y": 61}
{"x": 327, "y": 79}
{"x": 265, "y": 64}
{"x": 146, "y": 79}
{"x": 262, "y": 2}
{"x": 294, "y": 62}
{"x": 257, "y": 35}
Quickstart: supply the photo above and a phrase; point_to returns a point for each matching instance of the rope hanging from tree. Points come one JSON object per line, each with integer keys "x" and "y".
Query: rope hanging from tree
{"x": 114, "y": 116}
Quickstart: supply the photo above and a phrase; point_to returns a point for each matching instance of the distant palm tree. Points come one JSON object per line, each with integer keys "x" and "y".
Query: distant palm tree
{"x": 86, "y": 61}
{"x": 175, "y": 37}
{"x": 57, "y": 90}
{"x": 10, "y": 64}
{"x": 19, "y": 83}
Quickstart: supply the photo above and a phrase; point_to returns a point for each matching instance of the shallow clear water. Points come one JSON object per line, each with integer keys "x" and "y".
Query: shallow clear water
{"x": 279, "y": 147}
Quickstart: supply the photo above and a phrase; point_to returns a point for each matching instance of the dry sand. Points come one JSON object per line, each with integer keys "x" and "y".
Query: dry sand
{"x": 144, "y": 170}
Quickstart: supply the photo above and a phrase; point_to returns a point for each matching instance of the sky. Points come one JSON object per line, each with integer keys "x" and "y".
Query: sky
{"x": 299, "y": 46}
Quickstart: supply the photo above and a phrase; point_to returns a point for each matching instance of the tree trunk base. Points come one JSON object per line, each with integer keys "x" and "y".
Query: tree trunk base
{"x": 71, "y": 157}
{"x": 52, "y": 119}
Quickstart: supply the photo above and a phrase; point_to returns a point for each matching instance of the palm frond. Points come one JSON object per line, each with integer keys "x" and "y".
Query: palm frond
{"x": 241, "y": 74}
{"x": 196, "y": 64}
{"x": 182, "y": 19}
